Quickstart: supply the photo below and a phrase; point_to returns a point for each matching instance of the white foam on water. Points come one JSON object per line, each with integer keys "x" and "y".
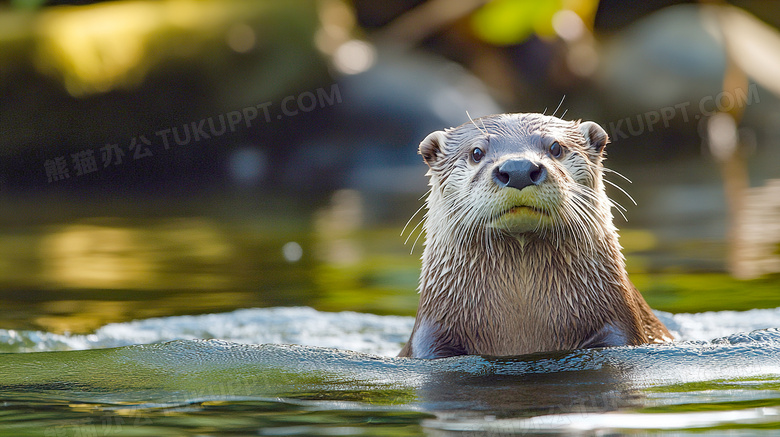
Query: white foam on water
{"x": 608, "y": 423}
{"x": 368, "y": 333}
{"x": 714, "y": 324}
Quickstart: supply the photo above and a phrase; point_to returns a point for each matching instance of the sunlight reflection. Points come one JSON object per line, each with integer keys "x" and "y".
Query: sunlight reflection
{"x": 116, "y": 257}
{"x": 336, "y": 227}
{"x": 86, "y": 256}
{"x": 757, "y": 245}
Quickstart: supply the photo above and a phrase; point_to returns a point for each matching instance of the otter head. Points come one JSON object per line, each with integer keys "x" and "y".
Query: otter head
{"x": 521, "y": 174}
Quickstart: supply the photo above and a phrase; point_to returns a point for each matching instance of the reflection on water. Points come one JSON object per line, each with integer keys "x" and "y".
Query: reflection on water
{"x": 116, "y": 255}
{"x": 754, "y": 212}
{"x": 79, "y": 275}
{"x": 360, "y": 267}
{"x": 757, "y": 251}
{"x": 336, "y": 227}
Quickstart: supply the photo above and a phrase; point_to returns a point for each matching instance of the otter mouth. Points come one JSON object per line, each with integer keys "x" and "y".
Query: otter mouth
{"x": 520, "y": 218}
{"x": 522, "y": 210}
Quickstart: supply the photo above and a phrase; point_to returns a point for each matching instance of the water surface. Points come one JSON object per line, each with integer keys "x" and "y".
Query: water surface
{"x": 341, "y": 379}
{"x": 214, "y": 321}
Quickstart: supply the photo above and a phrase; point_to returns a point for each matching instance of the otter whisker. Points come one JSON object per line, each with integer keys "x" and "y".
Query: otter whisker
{"x": 487, "y": 234}
{"x": 593, "y": 218}
{"x": 422, "y": 231}
{"x": 573, "y": 211}
{"x": 494, "y": 233}
{"x": 616, "y": 205}
{"x": 565, "y": 224}
{"x": 609, "y": 170}
{"x": 464, "y": 221}
{"x": 587, "y": 193}
{"x": 560, "y": 221}
{"x": 420, "y": 224}
{"x": 557, "y": 233}
{"x": 410, "y": 220}
{"x": 622, "y": 214}
{"x": 584, "y": 209}
{"x": 481, "y": 227}
{"x": 485, "y": 132}
{"x": 598, "y": 167}
{"x": 478, "y": 219}
{"x": 625, "y": 193}
{"x": 559, "y": 106}
{"x": 622, "y": 191}
{"x": 620, "y": 208}
{"x": 414, "y": 229}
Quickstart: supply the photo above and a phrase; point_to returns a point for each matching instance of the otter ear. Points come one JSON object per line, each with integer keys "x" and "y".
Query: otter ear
{"x": 595, "y": 136}
{"x": 431, "y": 147}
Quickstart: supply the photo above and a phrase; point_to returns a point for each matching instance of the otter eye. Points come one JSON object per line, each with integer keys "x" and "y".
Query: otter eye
{"x": 477, "y": 154}
{"x": 555, "y": 150}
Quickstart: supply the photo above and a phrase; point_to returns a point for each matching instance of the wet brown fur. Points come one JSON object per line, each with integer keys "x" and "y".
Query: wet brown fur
{"x": 502, "y": 290}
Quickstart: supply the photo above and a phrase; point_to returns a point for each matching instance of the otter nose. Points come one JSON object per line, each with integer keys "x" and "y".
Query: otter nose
{"x": 519, "y": 173}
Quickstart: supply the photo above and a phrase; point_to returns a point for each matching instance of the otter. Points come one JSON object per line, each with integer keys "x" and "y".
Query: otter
{"x": 521, "y": 253}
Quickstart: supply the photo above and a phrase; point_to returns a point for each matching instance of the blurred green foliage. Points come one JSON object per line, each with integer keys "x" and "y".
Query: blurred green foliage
{"x": 506, "y": 22}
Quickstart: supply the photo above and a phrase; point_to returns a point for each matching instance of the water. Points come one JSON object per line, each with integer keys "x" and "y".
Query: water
{"x": 107, "y": 324}
{"x": 340, "y": 378}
